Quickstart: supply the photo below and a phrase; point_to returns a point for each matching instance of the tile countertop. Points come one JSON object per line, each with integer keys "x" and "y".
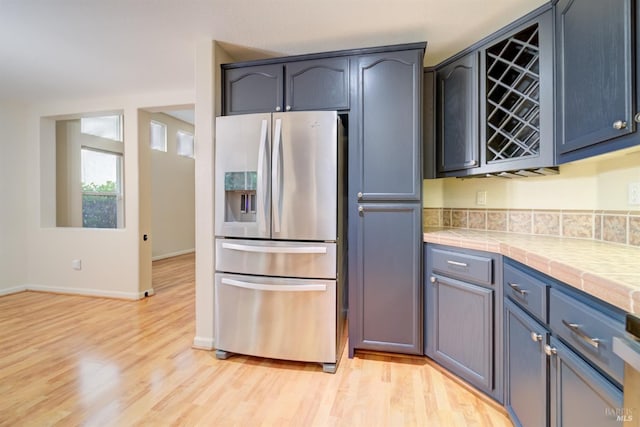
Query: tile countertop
{"x": 610, "y": 272}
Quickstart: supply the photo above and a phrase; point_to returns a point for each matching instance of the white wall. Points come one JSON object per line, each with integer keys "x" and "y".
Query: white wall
{"x": 592, "y": 184}
{"x": 111, "y": 258}
{"x": 13, "y": 202}
{"x": 172, "y": 195}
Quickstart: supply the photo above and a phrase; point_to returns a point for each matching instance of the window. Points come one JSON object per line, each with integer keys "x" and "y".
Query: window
{"x": 184, "y": 142}
{"x": 158, "y": 136}
{"x": 109, "y": 127}
{"x": 102, "y": 205}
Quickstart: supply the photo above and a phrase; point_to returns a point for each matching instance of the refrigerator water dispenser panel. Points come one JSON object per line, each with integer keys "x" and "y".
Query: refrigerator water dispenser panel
{"x": 240, "y": 196}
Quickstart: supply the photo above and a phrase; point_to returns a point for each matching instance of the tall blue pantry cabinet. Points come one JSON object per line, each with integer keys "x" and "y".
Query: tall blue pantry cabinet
{"x": 385, "y": 209}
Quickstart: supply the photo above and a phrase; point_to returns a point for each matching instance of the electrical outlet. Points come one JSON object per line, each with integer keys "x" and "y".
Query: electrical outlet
{"x": 76, "y": 264}
{"x": 481, "y": 198}
{"x": 634, "y": 193}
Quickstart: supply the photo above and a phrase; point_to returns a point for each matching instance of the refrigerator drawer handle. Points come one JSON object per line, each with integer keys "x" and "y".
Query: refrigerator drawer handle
{"x": 276, "y": 249}
{"x": 314, "y": 287}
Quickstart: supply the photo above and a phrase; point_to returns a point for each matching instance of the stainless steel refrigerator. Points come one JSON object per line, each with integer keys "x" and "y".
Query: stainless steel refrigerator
{"x": 278, "y": 225}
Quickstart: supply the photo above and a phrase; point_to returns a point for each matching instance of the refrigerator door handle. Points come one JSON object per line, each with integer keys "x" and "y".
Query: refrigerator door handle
{"x": 276, "y": 249}
{"x": 261, "y": 212}
{"x": 313, "y": 287}
{"x": 276, "y": 173}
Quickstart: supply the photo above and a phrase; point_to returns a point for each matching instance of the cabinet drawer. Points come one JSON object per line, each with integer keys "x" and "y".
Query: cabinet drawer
{"x": 527, "y": 291}
{"x": 588, "y": 331}
{"x": 463, "y": 266}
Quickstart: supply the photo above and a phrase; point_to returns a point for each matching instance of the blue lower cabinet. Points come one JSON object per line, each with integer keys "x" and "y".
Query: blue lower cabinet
{"x": 462, "y": 330}
{"x": 580, "y": 396}
{"x": 526, "y": 390}
{"x": 385, "y": 286}
{"x": 463, "y": 315}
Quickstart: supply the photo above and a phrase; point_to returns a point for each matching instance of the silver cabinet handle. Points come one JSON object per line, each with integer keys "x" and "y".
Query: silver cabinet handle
{"x": 433, "y": 279}
{"x": 575, "y": 328}
{"x": 535, "y": 337}
{"x": 359, "y": 194}
{"x": 518, "y": 289}
{"x": 360, "y": 209}
{"x": 548, "y": 350}
{"x": 619, "y": 124}
{"x": 636, "y": 118}
{"x": 457, "y": 264}
{"x": 288, "y": 108}
{"x": 278, "y": 108}
{"x": 275, "y": 288}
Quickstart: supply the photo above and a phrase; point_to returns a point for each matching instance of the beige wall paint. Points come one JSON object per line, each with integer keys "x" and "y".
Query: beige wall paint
{"x": 598, "y": 183}
{"x": 13, "y": 188}
{"x": 111, "y": 263}
{"x": 209, "y": 56}
{"x": 172, "y": 194}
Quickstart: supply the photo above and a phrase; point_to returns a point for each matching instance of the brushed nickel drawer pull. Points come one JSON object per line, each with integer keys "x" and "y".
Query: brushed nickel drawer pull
{"x": 575, "y": 328}
{"x": 518, "y": 289}
{"x": 457, "y": 264}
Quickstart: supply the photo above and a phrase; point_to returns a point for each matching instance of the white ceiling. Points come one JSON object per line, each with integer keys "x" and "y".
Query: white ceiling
{"x": 57, "y": 49}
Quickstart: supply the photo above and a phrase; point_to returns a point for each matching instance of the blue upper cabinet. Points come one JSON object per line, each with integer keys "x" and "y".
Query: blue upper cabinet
{"x": 495, "y": 103}
{"x": 256, "y": 89}
{"x": 596, "y": 86}
{"x": 387, "y": 164}
{"x": 318, "y": 84}
{"x": 457, "y": 115}
{"x": 313, "y": 84}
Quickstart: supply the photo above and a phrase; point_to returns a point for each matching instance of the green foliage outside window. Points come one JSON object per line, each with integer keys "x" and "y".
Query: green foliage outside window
{"x": 99, "y": 210}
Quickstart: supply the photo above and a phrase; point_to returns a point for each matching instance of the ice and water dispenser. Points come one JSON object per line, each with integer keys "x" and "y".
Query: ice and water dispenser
{"x": 240, "y": 196}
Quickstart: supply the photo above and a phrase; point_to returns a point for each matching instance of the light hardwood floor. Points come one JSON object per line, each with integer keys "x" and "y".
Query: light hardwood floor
{"x": 71, "y": 360}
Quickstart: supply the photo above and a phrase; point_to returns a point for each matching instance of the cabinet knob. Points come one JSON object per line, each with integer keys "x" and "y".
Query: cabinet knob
{"x": 433, "y": 279}
{"x": 535, "y": 337}
{"x": 278, "y": 108}
{"x": 548, "y": 350}
{"x": 288, "y": 108}
{"x": 636, "y": 118}
{"x": 619, "y": 124}
{"x": 359, "y": 194}
{"x": 360, "y": 209}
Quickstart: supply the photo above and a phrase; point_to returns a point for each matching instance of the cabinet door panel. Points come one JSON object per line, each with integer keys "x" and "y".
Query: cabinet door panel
{"x": 385, "y": 301}
{"x": 321, "y": 84}
{"x": 461, "y": 318}
{"x": 594, "y": 72}
{"x": 525, "y": 368}
{"x": 390, "y": 126}
{"x": 457, "y": 110}
{"x": 580, "y": 396}
{"x": 253, "y": 89}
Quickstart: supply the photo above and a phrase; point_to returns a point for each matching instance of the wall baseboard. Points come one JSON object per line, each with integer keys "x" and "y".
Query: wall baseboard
{"x": 14, "y": 290}
{"x": 202, "y": 343}
{"x": 172, "y": 254}
{"x": 85, "y": 292}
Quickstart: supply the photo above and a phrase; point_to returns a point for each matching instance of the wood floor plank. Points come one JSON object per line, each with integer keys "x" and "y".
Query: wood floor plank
{"x": 69, "y": 360}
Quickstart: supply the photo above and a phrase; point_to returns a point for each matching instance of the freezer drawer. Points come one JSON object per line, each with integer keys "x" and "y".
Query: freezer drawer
{"x": 278, "y": 318}
{"x": 275, "y": 258}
